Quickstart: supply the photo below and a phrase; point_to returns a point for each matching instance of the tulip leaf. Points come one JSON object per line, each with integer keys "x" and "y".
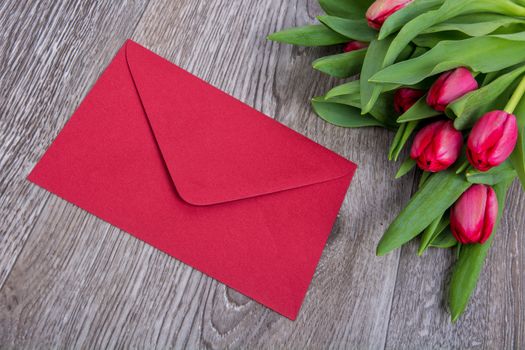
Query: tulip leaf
{"x": 370, "y": 92}
{"x": 469, "y": 108}
{"x": 449, "y": 9}
{"x": 517, "y": 158}
{"x": 470, "y": 262}
{"x": 490, "y": 77}
{"x": 399, "y": 142}
{"x": 432, "y": 39}
{"x": 350, "y": 88}
{"x": 396, "y": 139}
{"x": 432, "y": 232}
{"x": 355, "y": 29}
{"x": 342, "y": 65}
{"x": 406, "y": 14}
{"x": 407, "y": 165}
{"x": 382, "y": 110}
{"x": 437, "y": 194}
{"x": 342, "y": 115}
{"x": 503, "y": 172}
{"x": 419, "y": 110}
{"x": 346, "y": 8}
{"x": 477, "y": 24}
{"x": 349, "y": 100}
{"x": 444, "y": 240}
{"x": 309, "y": 35}
{"x": 423, "y": 179}
{"x": 476, "y": 53}
{"x": 372, "y": 64}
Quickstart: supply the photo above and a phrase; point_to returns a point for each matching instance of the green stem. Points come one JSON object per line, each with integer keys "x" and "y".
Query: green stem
{"x": 463, "y": 167}
{"x": 516, "y": 97}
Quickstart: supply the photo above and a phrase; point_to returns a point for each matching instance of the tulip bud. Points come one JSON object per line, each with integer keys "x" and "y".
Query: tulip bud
{"x": 405, "y": 98}
{"x": 354, "y": 45}
{"x": 492, "y": 140}
{"x": 436, "y": 146}
{"x": 449, "y": 87}
{"x": 473, "y": 216}
{"x": 380, "y": 10}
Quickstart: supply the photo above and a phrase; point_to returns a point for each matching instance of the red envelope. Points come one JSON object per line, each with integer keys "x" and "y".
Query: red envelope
{"x": 201, "y": 176}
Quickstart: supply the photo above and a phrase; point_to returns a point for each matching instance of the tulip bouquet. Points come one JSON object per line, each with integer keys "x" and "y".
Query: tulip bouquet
{"x": 450, "y": 75}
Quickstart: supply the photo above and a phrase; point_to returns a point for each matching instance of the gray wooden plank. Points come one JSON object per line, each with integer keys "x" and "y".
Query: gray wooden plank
{"x": 80, "y": 282}
{"x": 51, "y": 53}
{"x": 495, "y": 318}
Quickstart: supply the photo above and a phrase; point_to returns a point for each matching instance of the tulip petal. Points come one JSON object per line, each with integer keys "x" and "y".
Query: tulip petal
{"x": 487, "y": 130}
{"x": 457, "y": 84}
{"x": 436, "y": 146}
{"x": 467, "y": 214}
{"x": 380, "y": 10}
{"x": 492, "y": 140}
{"x": 423, "y": 139}
{"x": 504, "y": 146}
{"x": 491, "y": 214}
{"x": 447, "y": 144}
{"x": 405, "y": 98}
{"x": 450, "y": 86}
{"x": 434, "y": 92}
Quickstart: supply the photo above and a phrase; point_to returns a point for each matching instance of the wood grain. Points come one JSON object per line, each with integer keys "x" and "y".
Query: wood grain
{"x": 70, "y": 280}
{"x": 495, "y": 317}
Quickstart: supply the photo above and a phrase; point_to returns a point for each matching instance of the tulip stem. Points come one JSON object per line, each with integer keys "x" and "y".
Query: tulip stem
{"x": 463, "y": 167}
{"x": 516, "y": 97}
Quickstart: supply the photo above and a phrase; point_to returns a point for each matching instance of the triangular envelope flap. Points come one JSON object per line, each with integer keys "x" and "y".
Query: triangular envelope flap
{"x": 216, "y": 148}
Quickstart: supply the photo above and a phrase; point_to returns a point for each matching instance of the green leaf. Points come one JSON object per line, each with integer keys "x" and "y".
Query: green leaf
{"x": 469, "y": 108}
{"x": 382, "y": 110}
{"x": 432, "y": 39}
{"x": 444, "y": 240}
{"x": 399, "y": 142}
{"x": 310, "y": 35}
{"x": 477, "y": 24}
{"x": 476, "y": 53}
{"x": 342, "y": 115}
{"x": 372, "y": 63}
{"x": 449, "y": 9}
{"x": 342, "y": 65}
{"x": 419, "y": 110}
{"x": 490, "y": 77}
{"x": 355, "y": 29}
{"x": 471, "y": 258}
{"x": 349, "y": 100}
{"x": 503, "y": 172}
{"x": 346, "y": 8}
{"x": 396, "y": 139}
{"x": 399, "y": 18}
{"x": 438, "y": 193}
{"x": 423, "y": 179}
{"x": 370, "y": 92}
{"x": 432, "y": 231}
{"x": 517, "y": 158}
{"x": 350, "y": 88}
{"x": 405, "y": 167}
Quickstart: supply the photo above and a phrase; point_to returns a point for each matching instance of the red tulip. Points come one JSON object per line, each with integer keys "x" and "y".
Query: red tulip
{"x": 473, "y": 216}
{"x": 492, "y": 140}
{"x": 436, "y": 146}
{"x": 380, "y": 10}
{"x": 354, "y": 45}
{"x": 405, "y": 98}
{"x": 449, "y": 87}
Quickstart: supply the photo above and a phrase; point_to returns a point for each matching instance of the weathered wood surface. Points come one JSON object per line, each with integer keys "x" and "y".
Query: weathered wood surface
{"x": 68, "y": 279}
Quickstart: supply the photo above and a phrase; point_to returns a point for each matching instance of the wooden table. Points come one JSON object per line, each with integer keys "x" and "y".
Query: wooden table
{"x": 68, "y": 279}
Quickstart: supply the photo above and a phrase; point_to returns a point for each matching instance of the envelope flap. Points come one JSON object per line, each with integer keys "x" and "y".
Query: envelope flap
{"x": 216, "y": 148}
